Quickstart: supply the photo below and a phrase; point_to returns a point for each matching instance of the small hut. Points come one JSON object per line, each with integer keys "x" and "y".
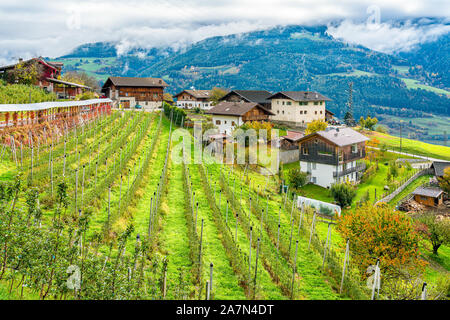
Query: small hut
{"x": 429, "y": 196}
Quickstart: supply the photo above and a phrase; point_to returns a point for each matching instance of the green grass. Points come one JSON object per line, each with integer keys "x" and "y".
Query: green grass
{"x": 174, "y": 242}
{"x": 316, "y": 192}
{"x": 226, "y": 282}
{"x": 411, "y": 146}
{"x": 414, "y": 84}
{"x": 434, "y": 125}
{"x": 355, "y": 73}
{"x": 401, "y": 69}
{"x": 410, "y": 188}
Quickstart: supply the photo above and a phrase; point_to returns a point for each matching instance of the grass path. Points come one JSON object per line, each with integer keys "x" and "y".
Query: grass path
{"x": 225, "y": 283}
{"x": 174, "y": 242}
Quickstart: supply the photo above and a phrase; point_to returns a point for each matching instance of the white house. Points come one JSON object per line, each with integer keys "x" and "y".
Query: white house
{"x": 190, "y": 99}
{"x": 227, "y": 116}
{"x": 298, "y": 107}
{"x": 332, "y": 156}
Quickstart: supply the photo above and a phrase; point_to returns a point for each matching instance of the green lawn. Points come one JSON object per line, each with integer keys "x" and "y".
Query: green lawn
{"x": 411, "y": 146}
{"x": 316, "y": 192}
{"x": 414, "y": 84}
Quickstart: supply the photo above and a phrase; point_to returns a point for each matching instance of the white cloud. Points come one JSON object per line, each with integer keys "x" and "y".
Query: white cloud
{"x": 386, "y": 37}
{"x": 53, "y": 28}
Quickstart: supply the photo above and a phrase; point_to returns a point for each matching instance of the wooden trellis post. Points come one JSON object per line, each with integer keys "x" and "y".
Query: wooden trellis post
{"x": 313, "y": 225}
{"x": 256, "y": 268}
{"x": 346, "y": 256}
{"x": 294, "y": 270}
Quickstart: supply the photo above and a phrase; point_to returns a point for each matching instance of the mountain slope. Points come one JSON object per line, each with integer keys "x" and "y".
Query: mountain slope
{"x": 288, "y": 58}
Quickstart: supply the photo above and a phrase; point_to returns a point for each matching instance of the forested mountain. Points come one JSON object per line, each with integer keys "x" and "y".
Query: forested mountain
{"x": 296, "y": 58}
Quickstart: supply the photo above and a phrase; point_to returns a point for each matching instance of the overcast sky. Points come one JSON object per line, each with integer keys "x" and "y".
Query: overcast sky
{"x": 53, "y": 28}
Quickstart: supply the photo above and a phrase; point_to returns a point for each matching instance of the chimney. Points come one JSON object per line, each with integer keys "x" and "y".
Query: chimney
{"x": 20, "y": 60}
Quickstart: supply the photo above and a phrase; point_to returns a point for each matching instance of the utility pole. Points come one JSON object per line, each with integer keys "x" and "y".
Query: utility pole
{"x": 400, "y": 136}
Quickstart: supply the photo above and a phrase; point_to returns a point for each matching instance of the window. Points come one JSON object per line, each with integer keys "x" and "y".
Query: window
{"x": 354, "y": 148}
{"x": 282, "y": 112}
{"x": 288, "y": 103}
{"x": 305, "y": 151}
{"x": 306, "y": 112}
{"x": 278, "y": 111}
{"x": 301, "y": 111}
{"x": 283, "y": 103}
{"x": 233, "y": 123}
{"x": 155, "y": 95}
{"x": 314, "y": 166}
{"x": 225, "y": 121}
{"x": 321, "y": 102}
{"x": 315, "y": 112}
{"x": 218, "y": 122}
{"x": 316, "y": 103}
{"x": 320, "y": 111}
{"x": 314, "y": 180}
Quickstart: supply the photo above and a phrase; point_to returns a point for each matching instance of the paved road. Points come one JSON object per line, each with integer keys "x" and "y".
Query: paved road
{"x": 413, "y": 155}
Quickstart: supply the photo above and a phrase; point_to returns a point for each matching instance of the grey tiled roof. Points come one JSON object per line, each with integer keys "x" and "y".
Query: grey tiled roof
{"x": 137, "y": 82}
{"x": 301, "y": 96}
{"x": 199, "y": 94}
{"x": 235, "y": 108}
{"x": 342, "y": 136}
{"x": 439, "y": 167}
{"x": 428, "y": 192}
{"x": 259, "y": 96}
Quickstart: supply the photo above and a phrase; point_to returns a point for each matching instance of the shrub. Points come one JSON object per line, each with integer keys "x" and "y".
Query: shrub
{"x": 343, "y": 193}
{"x": 297, "y": 178}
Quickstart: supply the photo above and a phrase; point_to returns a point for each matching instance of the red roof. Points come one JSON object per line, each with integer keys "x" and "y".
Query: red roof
{"x": 293, "y": 136}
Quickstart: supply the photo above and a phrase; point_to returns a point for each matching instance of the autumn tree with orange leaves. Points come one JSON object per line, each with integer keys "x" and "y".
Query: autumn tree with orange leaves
{"x": 379, "y": 232}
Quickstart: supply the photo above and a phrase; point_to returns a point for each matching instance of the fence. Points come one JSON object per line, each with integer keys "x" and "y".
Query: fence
{"x": 389, "y": 197}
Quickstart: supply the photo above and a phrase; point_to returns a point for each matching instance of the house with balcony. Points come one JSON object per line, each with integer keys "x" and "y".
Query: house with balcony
{"x": 127, "y": 92}
{"x": 191, "y": 99}
{"x": 333, "y": 155}
{"x": 227, "y": 116}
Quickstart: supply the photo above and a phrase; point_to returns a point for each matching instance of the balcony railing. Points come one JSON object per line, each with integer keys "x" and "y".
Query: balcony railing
{"x": 357, "y": 168}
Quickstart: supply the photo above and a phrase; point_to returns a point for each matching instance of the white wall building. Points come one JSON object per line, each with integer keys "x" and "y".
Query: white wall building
{"x": 333, "y": 156}
{"x": 190, "y": 99}
{"x": 298, "y": 107}
{"x": 227, "y": 116}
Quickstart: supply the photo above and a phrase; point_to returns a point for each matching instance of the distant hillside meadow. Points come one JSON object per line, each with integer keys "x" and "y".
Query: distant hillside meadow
{"x": 408, "y": 86}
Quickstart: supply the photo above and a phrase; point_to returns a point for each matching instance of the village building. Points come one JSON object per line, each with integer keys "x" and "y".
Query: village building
{"x": 438, "y": 168}
{"x": 227, "y": 116}
{"x": 332, "y": 156}
{"x": 290, "y": 140}
{"x": 429, "y": 196}
{"x": 127, "y": 92}
{"x": 258, "y": 96}
{"x": 191, "y": 99}
{"x": 298, "y": 108}
{"x": 48, "y": 74}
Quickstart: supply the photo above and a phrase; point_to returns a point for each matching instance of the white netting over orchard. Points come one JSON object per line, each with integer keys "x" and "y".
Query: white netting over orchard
{"x": 321, "y": 206}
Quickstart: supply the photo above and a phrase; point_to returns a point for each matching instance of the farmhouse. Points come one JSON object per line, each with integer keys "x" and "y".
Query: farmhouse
{"x": 189, "y": 99}
{"x": 229, "y": 115}
{"x": 298, "y": 108}
{"x": 332, "y": 155}
{"x": 127, "y": 92}
{"x": 257, "y": 96}
{"x": 429, "y": 196}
